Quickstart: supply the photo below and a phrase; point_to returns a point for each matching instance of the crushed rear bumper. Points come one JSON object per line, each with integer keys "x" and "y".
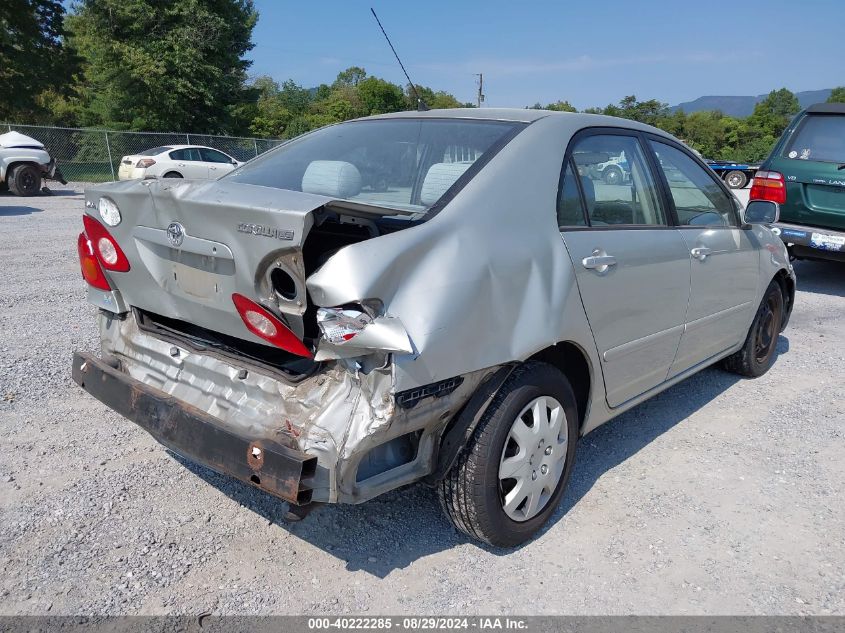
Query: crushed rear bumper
{"x": 280, "y": 470}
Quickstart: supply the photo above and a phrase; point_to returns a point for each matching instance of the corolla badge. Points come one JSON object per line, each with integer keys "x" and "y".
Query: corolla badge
{"x": 175, "y": 234}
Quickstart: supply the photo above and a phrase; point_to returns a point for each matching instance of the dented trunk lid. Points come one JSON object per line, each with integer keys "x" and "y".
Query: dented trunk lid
{"x": 191, "y": 245}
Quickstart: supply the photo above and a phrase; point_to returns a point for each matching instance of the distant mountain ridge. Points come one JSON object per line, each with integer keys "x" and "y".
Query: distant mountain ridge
{"x": 744, "y": 106}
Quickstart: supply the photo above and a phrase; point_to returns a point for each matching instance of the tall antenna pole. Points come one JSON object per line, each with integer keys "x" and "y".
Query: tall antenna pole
{"x": 420, "y": 103}
{"x": 480, "y": 88}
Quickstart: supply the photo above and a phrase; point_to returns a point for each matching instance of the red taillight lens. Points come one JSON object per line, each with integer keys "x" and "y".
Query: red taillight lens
{"x": 104, "y": 246}
{"x": 145, "y": 162}
{"x": 265, "y": 325}
{"x": 768, "y": 185}
{"x": 91, "y": 270}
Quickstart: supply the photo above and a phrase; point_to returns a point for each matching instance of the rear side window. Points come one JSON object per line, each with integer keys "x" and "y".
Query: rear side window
{"x": 819, "y": 137}
{"x": 569, "y": 209}
{"x": 628, "y": 198}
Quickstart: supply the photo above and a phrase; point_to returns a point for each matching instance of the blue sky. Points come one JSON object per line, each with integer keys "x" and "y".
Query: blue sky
{"x": 590, "y": 52}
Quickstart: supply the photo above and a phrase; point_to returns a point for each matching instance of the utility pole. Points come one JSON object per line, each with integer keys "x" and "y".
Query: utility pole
{"x": 480, "y": 88}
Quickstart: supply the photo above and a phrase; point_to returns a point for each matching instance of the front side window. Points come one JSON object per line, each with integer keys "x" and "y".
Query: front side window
{"x": 819, "y": 137}
{"x": 404, "y": 164}
{"x": 699, "y": 200}
{"x": 628, "y": 196}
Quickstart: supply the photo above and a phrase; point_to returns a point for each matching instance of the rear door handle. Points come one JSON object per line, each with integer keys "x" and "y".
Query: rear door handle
{"x": 701, "y": 252}
{"x": 599, "y": 261}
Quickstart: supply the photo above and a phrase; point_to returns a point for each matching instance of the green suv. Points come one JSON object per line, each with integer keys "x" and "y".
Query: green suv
{"x": 805, "y": 175}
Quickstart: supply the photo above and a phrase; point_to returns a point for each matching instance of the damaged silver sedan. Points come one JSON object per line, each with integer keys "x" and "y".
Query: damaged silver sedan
{"x": 445, "y": 297}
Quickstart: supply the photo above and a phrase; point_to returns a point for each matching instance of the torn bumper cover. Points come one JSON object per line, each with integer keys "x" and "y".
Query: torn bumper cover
{"x": 355, "y": 436}
{"x": 280, "y": 470}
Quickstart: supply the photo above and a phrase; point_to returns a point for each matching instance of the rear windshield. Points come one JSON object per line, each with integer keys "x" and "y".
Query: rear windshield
{"x": 405, "y": 164}
{"x": 154, "y": 151}
{"x": 819, "y": 137}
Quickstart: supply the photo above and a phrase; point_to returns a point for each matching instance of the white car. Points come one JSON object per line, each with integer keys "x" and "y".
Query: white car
{"x": 24, "y": 163}
{"x": 177, "y": 161}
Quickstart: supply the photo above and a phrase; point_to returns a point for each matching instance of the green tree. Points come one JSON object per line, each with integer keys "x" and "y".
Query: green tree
{"x": 557, "y": 106}
{"x": 152, "y": 65}
{"x": 379, "y": 96}
{"x": 434, "y": 100}
{"x": 350, "y": 77}
{"x": 837, "y": 95}
{"x": 706, "y": 131}
{"x": 651, "y": 111}
{"x": 772, "y": 114}
{"x": 35, "y": 62}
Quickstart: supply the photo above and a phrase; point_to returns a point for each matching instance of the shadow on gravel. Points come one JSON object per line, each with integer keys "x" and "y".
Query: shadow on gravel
{"x": 19, "y": 210}
{"x": 402, "y": 526}
{"x": 613, "y": 443}
{"x": 8, "y": 195}
{"x": 387, "y": 533}
{"x": 827, "y": 278}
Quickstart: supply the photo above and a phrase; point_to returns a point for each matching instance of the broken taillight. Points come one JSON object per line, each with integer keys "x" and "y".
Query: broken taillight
{"x": 145, "y": 162}
{"x": 92, "y": 272}
{"x": 104, "y": 246}
{"x": 339, "y": 325}
{"x": 267, "y": 326}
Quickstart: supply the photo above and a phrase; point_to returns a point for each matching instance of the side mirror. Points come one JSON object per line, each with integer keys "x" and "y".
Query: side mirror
{"x": 762, "y": 212}
{"x": 234, "y": 162}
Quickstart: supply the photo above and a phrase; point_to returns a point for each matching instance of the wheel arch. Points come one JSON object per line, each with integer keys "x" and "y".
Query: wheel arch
{"x": 9, "y": 168}
{"x": 787, "y": 288}
{"x": 574, "y": 363}
{"x": 568, "y": 357}
{"x": 178, "y": 173}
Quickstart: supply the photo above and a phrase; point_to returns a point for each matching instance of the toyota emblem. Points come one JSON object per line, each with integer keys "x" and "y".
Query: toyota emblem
{"x": 175, "y": 234}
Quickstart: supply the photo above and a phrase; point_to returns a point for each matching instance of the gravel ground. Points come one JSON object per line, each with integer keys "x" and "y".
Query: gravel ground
{"x": 720, "y": 496}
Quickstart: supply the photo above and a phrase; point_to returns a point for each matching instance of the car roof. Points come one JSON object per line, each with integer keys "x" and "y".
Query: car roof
{"x": 523, "y": 115}
{"x": 172, "y": 147}
{"x": 826, "y": 108}
{"x": 493, "y": 114}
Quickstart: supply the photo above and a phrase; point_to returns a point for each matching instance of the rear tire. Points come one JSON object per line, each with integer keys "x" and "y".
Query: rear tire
{"x": 612, "y": 176}
{"x": 173, "y": 174}
{"x": 25, "y": 180}
{"x": 479, "y": 495}
{"x": 758, "y": 353}
{"x": 736, "y": 179}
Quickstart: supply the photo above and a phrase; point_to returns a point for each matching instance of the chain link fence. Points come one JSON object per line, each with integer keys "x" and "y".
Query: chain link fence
{"x": 86, "y": 155}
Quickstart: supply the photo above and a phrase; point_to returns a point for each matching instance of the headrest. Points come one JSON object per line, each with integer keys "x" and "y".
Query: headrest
{"x": 439, "y": 178}
{"x": 335, "y": 178}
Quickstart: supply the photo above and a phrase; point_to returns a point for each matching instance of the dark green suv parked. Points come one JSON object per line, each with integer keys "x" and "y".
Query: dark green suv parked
{"x": 805, "y": 174}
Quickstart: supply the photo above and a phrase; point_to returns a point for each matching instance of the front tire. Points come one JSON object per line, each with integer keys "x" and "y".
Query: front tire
{"x": 736, "y": 179}
{"x": 510, "y": 477}
{"x": 25, "y": 180}
{"x": 758, "y": 353}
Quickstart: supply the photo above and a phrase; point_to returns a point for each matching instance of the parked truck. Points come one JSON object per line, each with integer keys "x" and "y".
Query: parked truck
{"x": 735, "y": 175}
